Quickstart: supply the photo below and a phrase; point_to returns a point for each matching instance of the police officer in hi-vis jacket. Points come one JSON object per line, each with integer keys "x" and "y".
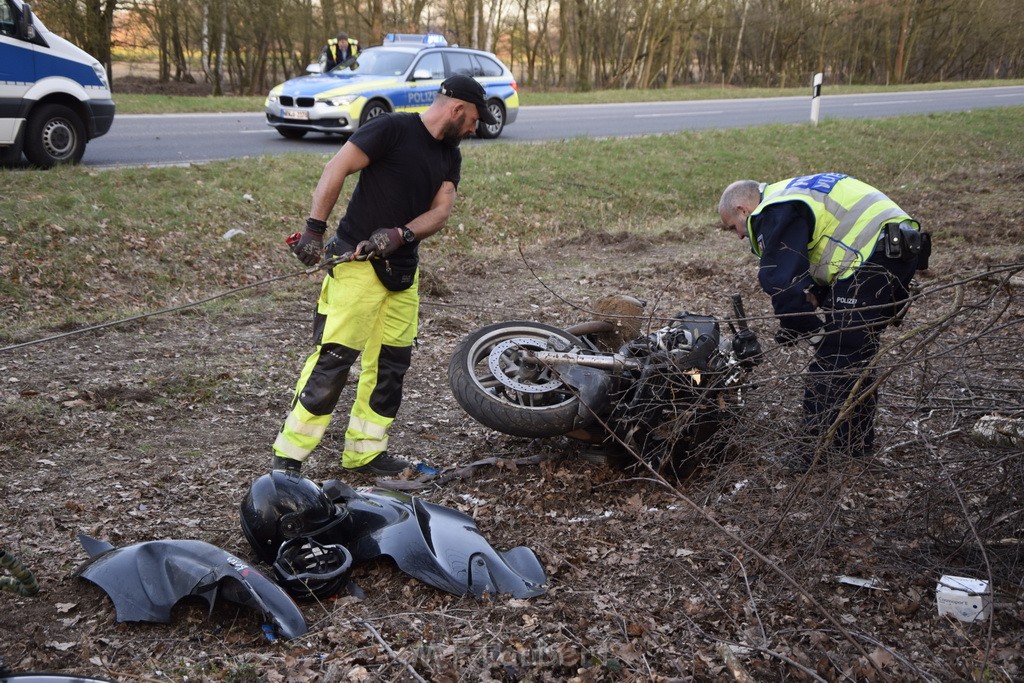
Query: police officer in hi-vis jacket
{"x": 836, "y": 257}
{"x": 338, "y": 51}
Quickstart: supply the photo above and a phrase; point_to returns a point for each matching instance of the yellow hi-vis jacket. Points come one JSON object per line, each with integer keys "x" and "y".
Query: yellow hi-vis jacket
{"x": 332, "y": 45}
{"x": 848, "y": 218}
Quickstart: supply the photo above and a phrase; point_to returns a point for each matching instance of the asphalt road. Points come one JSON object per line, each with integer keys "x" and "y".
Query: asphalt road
{"x": 185, "y": 138}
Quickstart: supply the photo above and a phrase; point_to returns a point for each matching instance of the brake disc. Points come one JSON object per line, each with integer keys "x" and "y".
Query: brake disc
{"x": 506, "y": 363}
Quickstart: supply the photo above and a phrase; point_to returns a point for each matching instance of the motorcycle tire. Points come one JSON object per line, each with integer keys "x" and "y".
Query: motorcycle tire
{"x": 500, "y": 389}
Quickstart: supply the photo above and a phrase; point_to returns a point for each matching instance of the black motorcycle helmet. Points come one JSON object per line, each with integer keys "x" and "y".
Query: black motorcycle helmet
{"x": 281, "y": 506}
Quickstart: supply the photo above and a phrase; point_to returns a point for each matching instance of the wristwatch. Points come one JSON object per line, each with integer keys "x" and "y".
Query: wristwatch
{"x": 408, "y": 236}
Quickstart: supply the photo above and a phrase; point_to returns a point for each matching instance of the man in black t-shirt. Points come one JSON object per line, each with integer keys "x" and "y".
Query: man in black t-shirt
{"x": 410, "y": 167}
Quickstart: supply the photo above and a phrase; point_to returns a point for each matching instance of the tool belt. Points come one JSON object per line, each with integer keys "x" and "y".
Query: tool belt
{"x": 902, "y": 241}
{"x": 396, "y": 273}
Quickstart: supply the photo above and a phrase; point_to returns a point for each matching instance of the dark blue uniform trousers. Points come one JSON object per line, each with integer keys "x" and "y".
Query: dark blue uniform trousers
{"x": 856, "y": 310}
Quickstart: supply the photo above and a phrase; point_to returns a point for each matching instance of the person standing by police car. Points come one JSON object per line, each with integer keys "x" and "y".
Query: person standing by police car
{"x": 832, "y": 242}
{"x": 338, "y": 51}
{"x": 410, "y": 166}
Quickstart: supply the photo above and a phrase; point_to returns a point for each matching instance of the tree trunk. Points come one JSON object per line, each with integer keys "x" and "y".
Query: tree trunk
{"x": 739, "y": 43}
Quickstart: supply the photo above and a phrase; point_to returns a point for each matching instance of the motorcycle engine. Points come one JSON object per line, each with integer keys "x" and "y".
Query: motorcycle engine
{"x": 684, "y": 332}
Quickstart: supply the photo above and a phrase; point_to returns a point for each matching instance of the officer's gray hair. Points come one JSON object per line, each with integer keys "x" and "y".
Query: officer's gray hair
{"x": 739, "y": 191}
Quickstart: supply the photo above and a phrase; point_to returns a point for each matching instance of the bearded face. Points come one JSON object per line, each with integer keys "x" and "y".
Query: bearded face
{"x": 456, "y": 130}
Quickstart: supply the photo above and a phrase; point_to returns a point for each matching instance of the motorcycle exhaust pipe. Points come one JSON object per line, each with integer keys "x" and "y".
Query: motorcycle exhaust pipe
{"x": 614, "y": 362}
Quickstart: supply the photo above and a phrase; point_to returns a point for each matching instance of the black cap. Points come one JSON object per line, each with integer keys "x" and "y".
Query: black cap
{"x": 468, "y": 90}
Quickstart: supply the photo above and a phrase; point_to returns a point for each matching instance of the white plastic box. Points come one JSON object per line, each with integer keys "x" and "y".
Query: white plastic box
{"x": 964, "y": 598}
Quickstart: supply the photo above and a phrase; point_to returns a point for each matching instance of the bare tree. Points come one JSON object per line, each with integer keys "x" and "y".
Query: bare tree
{"x": 579, "y": 44}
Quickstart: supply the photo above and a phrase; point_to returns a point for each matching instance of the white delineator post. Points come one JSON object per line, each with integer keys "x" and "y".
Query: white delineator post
{"x": 815, "y": 98}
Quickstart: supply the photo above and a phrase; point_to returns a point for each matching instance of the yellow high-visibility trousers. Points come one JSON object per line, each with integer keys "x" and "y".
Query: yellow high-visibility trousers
{"x": 356, "y": 314}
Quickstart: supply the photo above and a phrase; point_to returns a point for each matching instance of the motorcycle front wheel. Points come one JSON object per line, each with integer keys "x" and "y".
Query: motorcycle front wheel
{"x": 494, "y": 380}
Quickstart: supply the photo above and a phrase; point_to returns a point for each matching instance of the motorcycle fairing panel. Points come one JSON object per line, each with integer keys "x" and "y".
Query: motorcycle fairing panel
{"x": 147, "y": 579}
{"x": 439, "y": 546}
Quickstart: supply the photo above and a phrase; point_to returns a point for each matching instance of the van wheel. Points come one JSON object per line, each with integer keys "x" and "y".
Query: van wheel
{"x": 55, "y": 135}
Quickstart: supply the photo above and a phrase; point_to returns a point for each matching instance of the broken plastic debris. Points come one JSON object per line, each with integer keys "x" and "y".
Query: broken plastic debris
{"x": 860, "y": 583}
{"x": 426, "y": 469}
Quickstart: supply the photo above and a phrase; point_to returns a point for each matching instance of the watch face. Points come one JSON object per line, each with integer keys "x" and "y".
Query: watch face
{"x": 408, "y": 235}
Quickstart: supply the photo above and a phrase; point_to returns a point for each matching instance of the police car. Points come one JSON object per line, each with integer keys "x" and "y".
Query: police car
{"x": 401, "y": 75}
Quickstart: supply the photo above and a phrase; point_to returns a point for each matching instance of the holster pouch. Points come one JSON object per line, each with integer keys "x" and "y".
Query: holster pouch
{"x": 892, "y": 241}
{"x": 926, "y": 251}
{"x": 903, "y": 241}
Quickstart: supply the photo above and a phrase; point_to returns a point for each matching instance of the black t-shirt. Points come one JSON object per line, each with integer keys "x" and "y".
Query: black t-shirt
{"x": 407, "y": 167}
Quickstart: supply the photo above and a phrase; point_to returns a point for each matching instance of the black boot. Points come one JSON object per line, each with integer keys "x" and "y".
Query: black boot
{"x": 287, "y": 464}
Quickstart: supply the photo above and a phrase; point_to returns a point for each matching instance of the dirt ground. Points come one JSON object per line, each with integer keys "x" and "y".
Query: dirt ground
{"x": 154, "y": 430}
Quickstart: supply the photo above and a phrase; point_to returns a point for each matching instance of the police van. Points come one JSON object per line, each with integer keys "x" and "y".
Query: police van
{"x": 54, "y": 97}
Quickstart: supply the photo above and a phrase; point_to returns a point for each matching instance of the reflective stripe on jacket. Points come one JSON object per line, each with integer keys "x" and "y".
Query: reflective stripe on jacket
{"x": 848, "y": 218}
{"x": 353, "y": 47}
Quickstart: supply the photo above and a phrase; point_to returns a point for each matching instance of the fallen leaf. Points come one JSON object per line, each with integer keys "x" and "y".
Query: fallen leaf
{"x": 881, "y": 658}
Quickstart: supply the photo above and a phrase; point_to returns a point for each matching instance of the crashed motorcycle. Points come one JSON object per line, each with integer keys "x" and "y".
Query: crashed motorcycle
{"x": 632, "y": 398}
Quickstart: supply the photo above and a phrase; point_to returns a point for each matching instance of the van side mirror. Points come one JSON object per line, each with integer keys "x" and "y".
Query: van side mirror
{"x": 26, "y": 29}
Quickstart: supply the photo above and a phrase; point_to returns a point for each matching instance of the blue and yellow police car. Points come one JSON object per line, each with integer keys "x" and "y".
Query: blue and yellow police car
{"x": 403, "y": 74}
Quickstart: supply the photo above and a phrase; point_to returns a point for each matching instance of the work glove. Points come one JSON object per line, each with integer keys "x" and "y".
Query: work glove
{"x": 382, "y": 243}
{"x": 310, "y": 246}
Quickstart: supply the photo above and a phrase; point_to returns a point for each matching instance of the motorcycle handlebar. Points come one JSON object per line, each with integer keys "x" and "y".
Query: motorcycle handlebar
{"x": 741, "y": 315}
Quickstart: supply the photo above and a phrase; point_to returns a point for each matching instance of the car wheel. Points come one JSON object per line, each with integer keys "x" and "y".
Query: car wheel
{"x": 292, "y": 133}
{"x": 55, "y": 135}
{"x": 489, "y": 132}
{"x": 372, "y": 110}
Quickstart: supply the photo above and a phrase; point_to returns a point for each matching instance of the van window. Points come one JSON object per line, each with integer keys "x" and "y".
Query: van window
{"x": 6, "y": 19}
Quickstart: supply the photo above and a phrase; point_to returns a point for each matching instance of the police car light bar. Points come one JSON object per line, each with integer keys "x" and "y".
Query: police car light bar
{"x": 421, "y": 38}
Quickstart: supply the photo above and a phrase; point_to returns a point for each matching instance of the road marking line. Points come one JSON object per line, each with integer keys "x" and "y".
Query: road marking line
{"x": 681, "y": 113}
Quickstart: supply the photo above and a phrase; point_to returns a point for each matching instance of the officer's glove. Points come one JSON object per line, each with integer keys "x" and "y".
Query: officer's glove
{"x": 747, "y": 348}
{"x": 786, "y": 337}
{"x": 382, "y": 243}
{"x": 310, "y": 246}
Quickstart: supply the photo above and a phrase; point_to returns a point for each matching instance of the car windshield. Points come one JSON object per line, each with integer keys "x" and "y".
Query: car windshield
{"x": 377, "y": 62}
